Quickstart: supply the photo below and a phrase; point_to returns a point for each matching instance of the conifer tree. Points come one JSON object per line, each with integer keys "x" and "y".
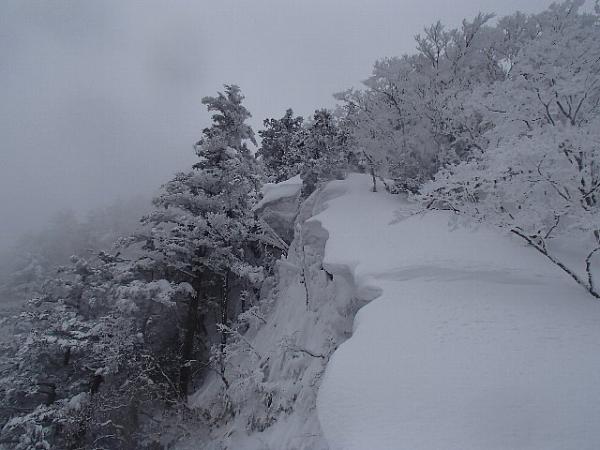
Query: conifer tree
{"x": 278, "y": 151}
{"x": 323, "y": 149}
{"x": 200, "y": 232}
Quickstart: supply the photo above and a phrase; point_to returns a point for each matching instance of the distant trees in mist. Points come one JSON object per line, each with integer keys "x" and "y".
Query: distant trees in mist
{"x": 34, "y": 256}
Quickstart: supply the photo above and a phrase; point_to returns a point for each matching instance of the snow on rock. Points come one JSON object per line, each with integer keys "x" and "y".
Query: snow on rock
{"x": 279, "y": 206}
{"x": 474, "y": 341}
{"x": 276, "y": 191}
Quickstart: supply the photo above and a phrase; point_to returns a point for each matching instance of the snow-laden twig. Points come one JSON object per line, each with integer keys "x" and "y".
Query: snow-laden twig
{"x": 588, "y": 270}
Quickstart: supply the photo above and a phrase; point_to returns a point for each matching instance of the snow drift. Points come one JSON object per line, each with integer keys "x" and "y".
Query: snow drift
{"x": 475, "y": 341}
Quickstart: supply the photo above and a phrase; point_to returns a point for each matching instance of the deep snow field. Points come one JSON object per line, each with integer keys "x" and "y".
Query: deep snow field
{"x": 474, "y": 342}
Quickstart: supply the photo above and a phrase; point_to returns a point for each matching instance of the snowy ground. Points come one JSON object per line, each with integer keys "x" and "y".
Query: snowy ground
{"x": 475, "y": 341}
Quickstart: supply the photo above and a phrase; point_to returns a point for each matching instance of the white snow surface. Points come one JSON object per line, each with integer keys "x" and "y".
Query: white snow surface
{"x": 473, "y": 342}
{"x": 276, "y": 191}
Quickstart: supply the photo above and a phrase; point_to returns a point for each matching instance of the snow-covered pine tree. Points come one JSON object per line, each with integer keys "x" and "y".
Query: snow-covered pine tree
{"x": 278, "y": 151}
{"x": 202, "y": 230}
{"x": 323, "y": 149}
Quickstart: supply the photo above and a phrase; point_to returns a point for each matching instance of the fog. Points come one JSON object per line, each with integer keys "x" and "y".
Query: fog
{"x": 101, "y": 99}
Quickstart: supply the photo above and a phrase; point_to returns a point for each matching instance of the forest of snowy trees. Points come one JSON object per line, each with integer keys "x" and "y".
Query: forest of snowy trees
{"x": 497, "y": 120}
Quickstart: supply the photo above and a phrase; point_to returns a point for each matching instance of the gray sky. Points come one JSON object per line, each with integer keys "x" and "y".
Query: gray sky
{"x": 100, "y": 99}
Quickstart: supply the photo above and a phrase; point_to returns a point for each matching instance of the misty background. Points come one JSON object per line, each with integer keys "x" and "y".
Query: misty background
{"x": 100, "y": 100}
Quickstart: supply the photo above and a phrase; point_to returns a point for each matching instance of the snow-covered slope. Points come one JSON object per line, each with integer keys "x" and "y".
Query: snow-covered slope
{"x": 474, "y": 341}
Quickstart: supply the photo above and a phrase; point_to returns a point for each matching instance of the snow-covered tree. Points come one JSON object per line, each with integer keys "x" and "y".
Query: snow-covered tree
{"x": 318, "y": 150}
{"x": 413, "y": 115}
{"x": 323, "y": 148}
{"x": 278, "y": 150}
{"x": 539, "y": 177}
{"x": 83, "y": 366}
{"x": 203, "y": 227}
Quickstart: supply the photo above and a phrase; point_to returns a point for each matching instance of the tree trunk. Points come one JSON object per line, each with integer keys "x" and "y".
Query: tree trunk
{"x": 185, "y": 371}
{"x": 372, "y": 170}
{"x": 224, "y": 319}
{"x": 224, "y": 308}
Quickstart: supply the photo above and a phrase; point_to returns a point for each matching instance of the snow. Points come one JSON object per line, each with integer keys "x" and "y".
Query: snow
{"x": 276, "y": 191}
{"x": 473, "y": 341}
